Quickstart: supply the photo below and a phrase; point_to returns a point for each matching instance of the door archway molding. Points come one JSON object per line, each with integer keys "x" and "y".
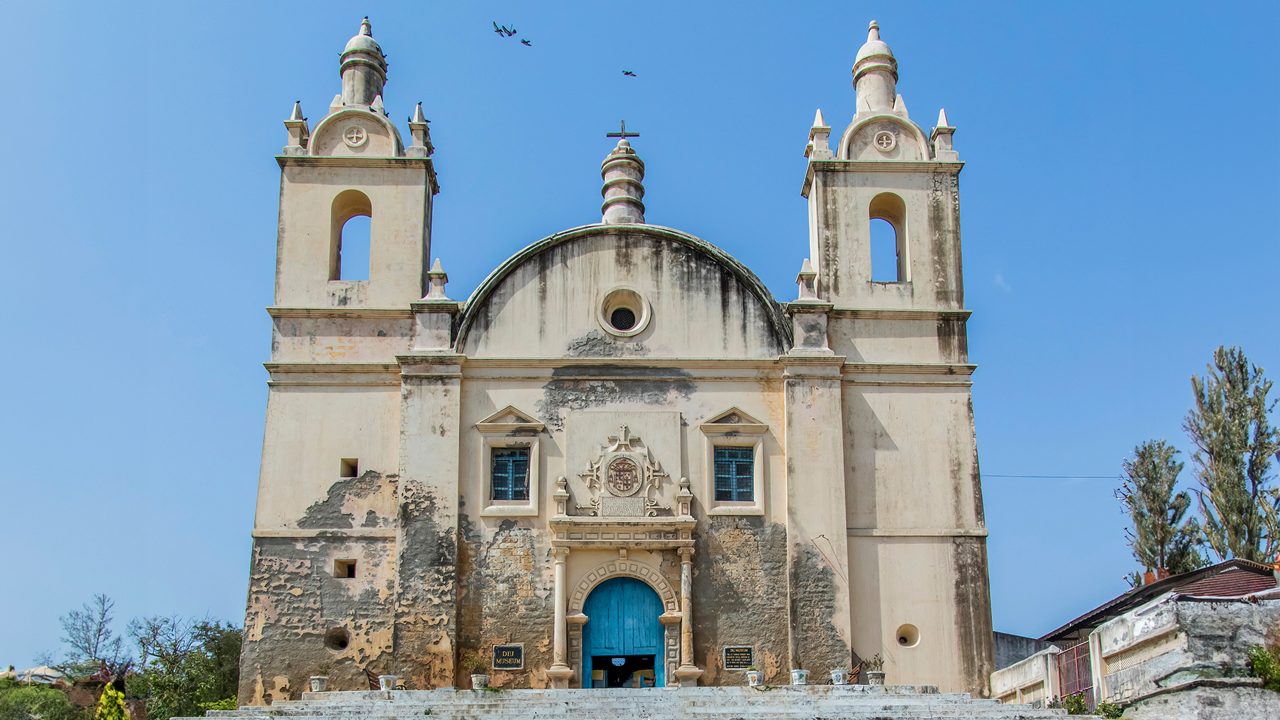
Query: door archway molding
{"x": 670, "y": 617}
{"x": 624, "y": 568}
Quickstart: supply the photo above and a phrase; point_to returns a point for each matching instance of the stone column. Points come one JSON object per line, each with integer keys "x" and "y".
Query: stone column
{"x": 427, "y": 536}
{"x": 560, "y": 672}
{"x": 817, "y": 515}
{"x": 688, "y": 673}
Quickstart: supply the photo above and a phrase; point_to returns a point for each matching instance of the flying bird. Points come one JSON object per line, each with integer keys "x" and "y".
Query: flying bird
{"x": 628, "y": 73}
{"x": 497, "y": 29}
{"x": 526, "y": 43}
{"x": 509, "y": 32}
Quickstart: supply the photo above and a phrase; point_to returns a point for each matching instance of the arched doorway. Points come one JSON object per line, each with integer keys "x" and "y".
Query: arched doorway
{"x": 622, "y": 642}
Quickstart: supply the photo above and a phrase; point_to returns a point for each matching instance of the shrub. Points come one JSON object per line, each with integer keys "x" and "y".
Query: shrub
{"x": 28, "y": 702}
{"x": 1109, "y": 710}
{"x": 1073, "y": 704}
{"x": 1264, "y": 663}
{"x": 110, "y": 705}
{"x": 474, "y": 663}
{"x": 223, "y": 704}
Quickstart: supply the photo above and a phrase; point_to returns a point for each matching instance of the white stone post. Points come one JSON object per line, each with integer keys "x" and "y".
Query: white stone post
{"x": 560, "y": 672}
{"x": 687, "y": 673}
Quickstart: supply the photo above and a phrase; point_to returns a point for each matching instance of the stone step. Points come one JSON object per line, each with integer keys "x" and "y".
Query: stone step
{"x": 853, "y": 702}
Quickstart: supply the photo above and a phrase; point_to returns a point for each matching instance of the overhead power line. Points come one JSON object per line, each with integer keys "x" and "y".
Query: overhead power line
{"x": 1055, "y": 477}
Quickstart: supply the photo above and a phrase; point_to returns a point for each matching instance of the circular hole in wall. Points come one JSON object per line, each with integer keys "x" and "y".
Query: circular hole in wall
{"x": 337, "y": 639}
{"x": 622, "y": 318}
{"x": 624, "y": 312}
{"x": 908, "y": 636}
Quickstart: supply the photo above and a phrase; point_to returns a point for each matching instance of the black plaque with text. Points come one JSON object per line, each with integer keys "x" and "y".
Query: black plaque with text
{"x": 508, "y": 657}
{"x": 739, "y": 657}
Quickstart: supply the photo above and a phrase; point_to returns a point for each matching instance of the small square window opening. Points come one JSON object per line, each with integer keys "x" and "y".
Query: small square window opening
{"x": 348, "y": 468}
{"x": 509, "y": 474}
{"x": 344, "y": 568}
{"x": 735, "y": 474}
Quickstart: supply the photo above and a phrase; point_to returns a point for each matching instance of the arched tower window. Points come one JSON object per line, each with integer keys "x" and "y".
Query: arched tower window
{"x": 888, "y": 234}
{"x": 351, "y": 236}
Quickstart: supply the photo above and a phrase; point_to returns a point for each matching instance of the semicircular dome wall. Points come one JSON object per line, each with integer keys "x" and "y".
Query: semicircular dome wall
{"x": 547, "y": 300}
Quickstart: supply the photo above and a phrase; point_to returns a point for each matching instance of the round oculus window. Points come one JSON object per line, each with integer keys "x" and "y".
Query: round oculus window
{"x": 908, "y": 635}
{"x": 622, "y": 318}
{"x": 624, "y": 312}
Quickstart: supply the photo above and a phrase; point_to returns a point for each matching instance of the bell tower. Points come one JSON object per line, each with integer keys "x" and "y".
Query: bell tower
{"x": 918, "y": 583}
{"x": 354, "y": 164}
{"x": 884, "y": 167}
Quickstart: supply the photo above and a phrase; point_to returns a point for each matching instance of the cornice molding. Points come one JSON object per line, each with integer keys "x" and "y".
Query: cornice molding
{"x": 896, "y": 314}
{"x": 277, "y": 311}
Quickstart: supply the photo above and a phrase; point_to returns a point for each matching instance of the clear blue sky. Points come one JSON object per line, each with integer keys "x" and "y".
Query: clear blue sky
{"x": 1119, "y": 222}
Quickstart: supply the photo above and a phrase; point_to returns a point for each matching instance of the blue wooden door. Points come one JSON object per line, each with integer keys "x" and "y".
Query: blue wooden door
{"x": 622, "y": 619}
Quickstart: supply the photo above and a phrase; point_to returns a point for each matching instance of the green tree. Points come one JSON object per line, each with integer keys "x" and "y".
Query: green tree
{"x": 218, "y": 661}
{"x": 1161, "y": 537}
{"x": 110, "y": 705}
{"x": 1235, "y": 443}
{"x": 35, "y": 702}
{"x": 92, "y": 646}
{"x": 184, "y": 666}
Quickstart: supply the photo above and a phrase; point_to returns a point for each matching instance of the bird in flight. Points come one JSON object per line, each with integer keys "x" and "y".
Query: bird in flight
{"x": 628, "y": 73}
{"x": 497, "y": 29}
{"x": 526, "y": 43}
{"x": 503, "y": 30}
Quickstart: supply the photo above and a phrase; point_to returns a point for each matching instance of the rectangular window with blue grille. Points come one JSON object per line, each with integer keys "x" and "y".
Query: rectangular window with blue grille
{"x": 735, "y": 469}
{"x": 509, "y": 473}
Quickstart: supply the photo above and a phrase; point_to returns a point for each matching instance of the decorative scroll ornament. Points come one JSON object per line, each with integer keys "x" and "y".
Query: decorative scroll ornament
{"x": 625, "y": 480}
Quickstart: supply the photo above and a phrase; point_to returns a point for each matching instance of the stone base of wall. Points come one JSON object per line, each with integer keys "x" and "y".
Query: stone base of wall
{"x": 1207, "y": 699}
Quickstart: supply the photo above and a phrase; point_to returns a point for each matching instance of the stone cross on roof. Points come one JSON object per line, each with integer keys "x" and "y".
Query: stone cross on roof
{"x": 622, "y": 132}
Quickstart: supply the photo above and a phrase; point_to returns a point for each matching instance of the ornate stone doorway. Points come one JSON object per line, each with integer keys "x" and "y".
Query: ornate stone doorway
{"x": 623, "y": 641}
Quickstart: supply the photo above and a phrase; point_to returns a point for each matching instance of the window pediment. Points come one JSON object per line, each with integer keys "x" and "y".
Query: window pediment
{"x": 510, "y": 421}
{"x": 733, "y": 422}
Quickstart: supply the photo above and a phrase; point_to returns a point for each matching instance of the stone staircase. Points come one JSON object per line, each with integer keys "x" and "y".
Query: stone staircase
{"x": 811, "y": 702}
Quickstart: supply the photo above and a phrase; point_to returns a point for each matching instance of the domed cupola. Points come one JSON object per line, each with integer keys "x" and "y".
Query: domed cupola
{"x": 875, "y": 73}
{"x": 364, "y": 68}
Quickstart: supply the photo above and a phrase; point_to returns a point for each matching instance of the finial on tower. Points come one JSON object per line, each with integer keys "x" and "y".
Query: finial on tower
{"x": 623, "y": 173}
{"x": 807, "y": 283}
{"x": 436, "y": 280}
{"x": 420, "y": 134}
{"x": 875, "y": 74}
{"x": 941, "y": 137}
{"x": 817, "y": 147}
{"x": 299, "y": 133}
{"x": 364, "y": 68}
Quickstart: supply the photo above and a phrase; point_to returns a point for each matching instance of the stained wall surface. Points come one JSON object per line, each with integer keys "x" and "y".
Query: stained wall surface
{"x": 381, "y": 547}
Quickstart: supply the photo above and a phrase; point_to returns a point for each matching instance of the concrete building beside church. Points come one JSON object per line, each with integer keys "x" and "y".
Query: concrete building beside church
{"x": 620, "y": 460}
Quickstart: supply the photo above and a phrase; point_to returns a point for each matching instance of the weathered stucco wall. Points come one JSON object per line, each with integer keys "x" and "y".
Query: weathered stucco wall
{"x": 310, "y": 428}
{"x": 399, "y": 193}
{"x": 333, "y": 336}
{"x": 548, "y": 306}
{"x": 505, "y": 596}
{"x": 302, "y": 620}
{"x": 740, "y": 595}
{"x": 840, "y": 240}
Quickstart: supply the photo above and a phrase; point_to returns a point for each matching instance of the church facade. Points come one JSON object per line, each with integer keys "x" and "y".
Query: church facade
{"x": 620, "y": 460}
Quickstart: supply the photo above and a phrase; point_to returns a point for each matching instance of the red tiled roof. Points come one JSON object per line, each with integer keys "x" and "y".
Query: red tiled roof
{"x": 1236, "y": 582}
{"x": 1176, "y": 583}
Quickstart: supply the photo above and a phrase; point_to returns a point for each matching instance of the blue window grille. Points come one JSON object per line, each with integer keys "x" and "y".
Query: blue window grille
{"x": 735, "y": 469}
{"x": 509, "y": 474}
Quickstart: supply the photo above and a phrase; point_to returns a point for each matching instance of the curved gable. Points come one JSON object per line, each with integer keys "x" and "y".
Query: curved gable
{"x": 379, "y": 136}
{"x": 858, "y": 141}
{"x": 547, "y": 299}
